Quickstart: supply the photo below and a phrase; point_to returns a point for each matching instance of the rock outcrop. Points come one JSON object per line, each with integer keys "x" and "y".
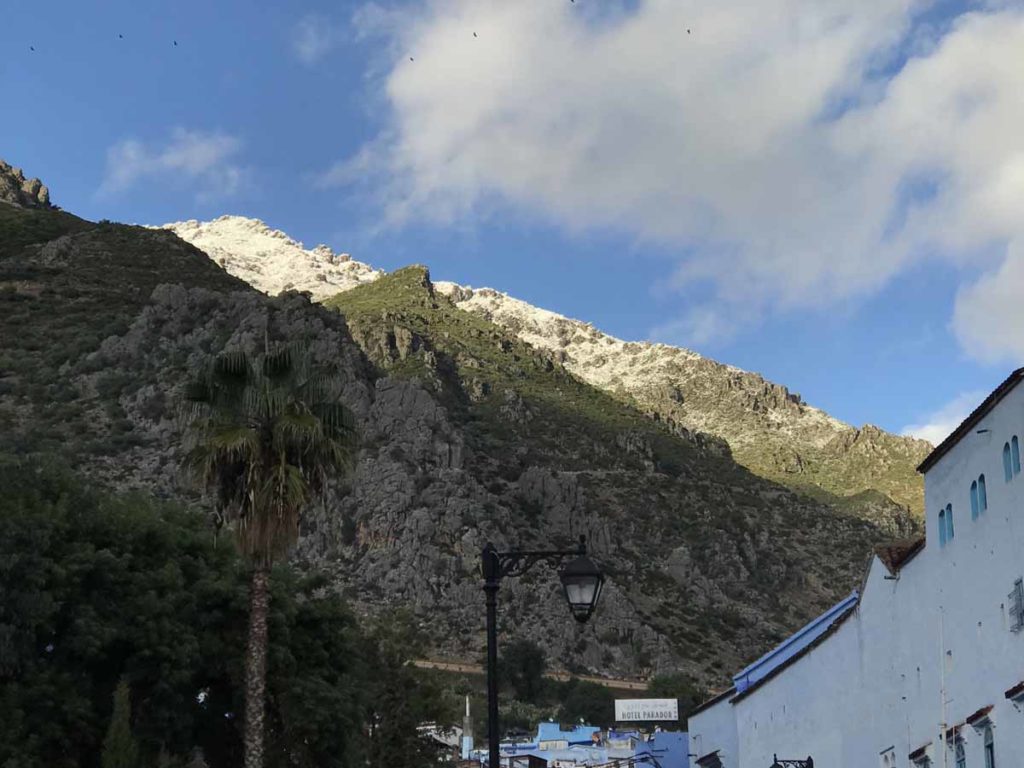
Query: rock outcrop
{"x": 17, "y": 190}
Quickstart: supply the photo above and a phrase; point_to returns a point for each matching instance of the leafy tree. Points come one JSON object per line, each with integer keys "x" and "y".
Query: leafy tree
{"x": 521, "y": 670}
{"x": 266, "y": 433}
{"x": 119, "y": 747}
{"x": 401, "y": 698}
{"x": 94, "y": 587}
{"x": 588, "y": 702}
{"x": 677, "y": 685}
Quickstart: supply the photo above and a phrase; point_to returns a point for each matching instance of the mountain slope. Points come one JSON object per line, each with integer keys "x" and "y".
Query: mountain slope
{"x": 468, "y": 435}
{"x": 768, "y": 429}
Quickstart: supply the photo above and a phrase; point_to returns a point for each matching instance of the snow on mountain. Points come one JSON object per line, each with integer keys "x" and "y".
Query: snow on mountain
{"x": 769, "y": 429}
{"x": 633, "y": 368}
{"x": 270, "y": 260}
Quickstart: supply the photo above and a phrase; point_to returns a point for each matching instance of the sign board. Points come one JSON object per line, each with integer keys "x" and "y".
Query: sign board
{"x": 638, "y": 710}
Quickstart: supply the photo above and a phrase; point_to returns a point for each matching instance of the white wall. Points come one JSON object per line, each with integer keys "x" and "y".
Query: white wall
{"x": 875, "y": 683}
{"x": 716, "y": 730}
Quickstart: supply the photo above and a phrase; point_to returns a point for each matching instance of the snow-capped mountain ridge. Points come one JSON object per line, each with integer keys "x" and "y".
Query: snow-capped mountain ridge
{"x": 769, "y": 429}
{"x": 270, "y": 260}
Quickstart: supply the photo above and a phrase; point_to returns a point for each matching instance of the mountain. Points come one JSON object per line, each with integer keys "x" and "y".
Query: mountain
{"x": 769, "y": 430}
{"x": 468, "y": 435}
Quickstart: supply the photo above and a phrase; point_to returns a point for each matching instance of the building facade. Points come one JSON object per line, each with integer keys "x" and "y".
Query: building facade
{"x": 924, "y": 667}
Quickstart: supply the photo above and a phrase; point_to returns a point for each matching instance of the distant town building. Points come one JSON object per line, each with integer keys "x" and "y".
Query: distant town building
{"x": 587, "y": 745}
{"x": 924, "y": 666}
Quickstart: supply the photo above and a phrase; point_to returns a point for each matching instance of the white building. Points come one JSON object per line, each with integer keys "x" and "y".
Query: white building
{"x": 925, "y": 665}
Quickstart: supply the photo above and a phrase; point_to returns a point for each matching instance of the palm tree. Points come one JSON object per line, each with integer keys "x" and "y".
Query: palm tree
{"x": 265, "y": 433}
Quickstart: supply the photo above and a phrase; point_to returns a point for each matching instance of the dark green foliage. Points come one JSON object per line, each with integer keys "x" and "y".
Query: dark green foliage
{"x": 678, "y": 686}
{"x": 119, "y": 747}
{"x": 521, "y": 670}
{"x": 587, "y": 702}
{"x": 95, "y": 588}
{"x": 23, "y": 226}
{"x": 400, "y": 698}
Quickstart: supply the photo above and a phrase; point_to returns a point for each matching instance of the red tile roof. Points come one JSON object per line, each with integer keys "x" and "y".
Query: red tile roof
{"x": 919, "y": 752}
{"x": 897, "y": 553}
{"x": 981, "y": 714}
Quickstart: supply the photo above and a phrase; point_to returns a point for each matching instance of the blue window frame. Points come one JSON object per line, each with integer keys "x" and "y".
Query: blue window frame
{"x": 1007, "y": 466}
{"x": 975, "y": 509}
{"x": 982, "y": 494}
{"x": 949, "y": 522}
{"x": 1015, "y": 455}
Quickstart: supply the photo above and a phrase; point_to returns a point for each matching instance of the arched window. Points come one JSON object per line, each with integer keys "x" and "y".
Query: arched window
{"x": 974, "y": 501}
{"x": 1015, "y": 455}
{"x": 990, "y": 750}
{"x": 1007, "y": 467}
{"x": 942, "y": 527}
{"x": 949, "y": 522}
{"x": 982, "y": 494}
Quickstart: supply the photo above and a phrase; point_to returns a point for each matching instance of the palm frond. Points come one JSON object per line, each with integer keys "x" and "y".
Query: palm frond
{"x": 232, "y": 365}
{"x": 280, "y": 363}
{"x": 338, "y": 420}
{"x": 265, "y": 434}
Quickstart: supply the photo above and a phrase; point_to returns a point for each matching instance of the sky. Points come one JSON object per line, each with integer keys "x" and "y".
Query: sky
{"x": 827, "y": 192}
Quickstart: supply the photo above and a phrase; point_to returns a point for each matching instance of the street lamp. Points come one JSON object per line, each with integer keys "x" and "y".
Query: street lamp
{"x": 581, "y": 580}
{"x": 808, "y": 763}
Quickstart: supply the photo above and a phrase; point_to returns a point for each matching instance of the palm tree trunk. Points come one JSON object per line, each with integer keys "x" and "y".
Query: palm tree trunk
{"x": 256, "y": 667}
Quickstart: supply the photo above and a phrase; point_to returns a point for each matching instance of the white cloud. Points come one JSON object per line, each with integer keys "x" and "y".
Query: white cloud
{"x": 313, "y": 37}
{"x": 202, "y": 160}
{"x": 935, "y": 427}
{"x": 763, "y": 144}
{"x": 989, "y": 315}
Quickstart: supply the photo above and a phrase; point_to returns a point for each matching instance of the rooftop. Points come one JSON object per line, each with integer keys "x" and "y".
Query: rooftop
{"x": 971, "y": 421}
{"x": 897, "y": 553}
{"x": 793, "y": 646}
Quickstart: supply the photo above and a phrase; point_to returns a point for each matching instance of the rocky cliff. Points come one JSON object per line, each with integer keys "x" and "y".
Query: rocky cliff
{"x": 769, "y": 429}
{"x": 469, "y": 434}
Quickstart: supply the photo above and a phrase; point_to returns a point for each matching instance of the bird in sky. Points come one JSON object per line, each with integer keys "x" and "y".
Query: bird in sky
{"x": 120, "y": 36}
{"x": 31, "y": 47}
{"x": 411, "y": 58}
{"x": 474, "y": 34}
{"x": 175, "y": 43}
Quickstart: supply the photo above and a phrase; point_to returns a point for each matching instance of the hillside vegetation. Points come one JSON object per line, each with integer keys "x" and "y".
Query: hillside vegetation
{"x": 468, "y": 435}
{"x": 769, "y": 429}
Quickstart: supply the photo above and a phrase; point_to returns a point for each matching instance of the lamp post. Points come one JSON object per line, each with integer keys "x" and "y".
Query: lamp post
{"x": 808, "y": 763}
{"x": 581, "y": 582}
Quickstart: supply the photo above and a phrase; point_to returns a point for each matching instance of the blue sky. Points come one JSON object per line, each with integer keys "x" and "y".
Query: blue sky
{"x": 794, "y": 187}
